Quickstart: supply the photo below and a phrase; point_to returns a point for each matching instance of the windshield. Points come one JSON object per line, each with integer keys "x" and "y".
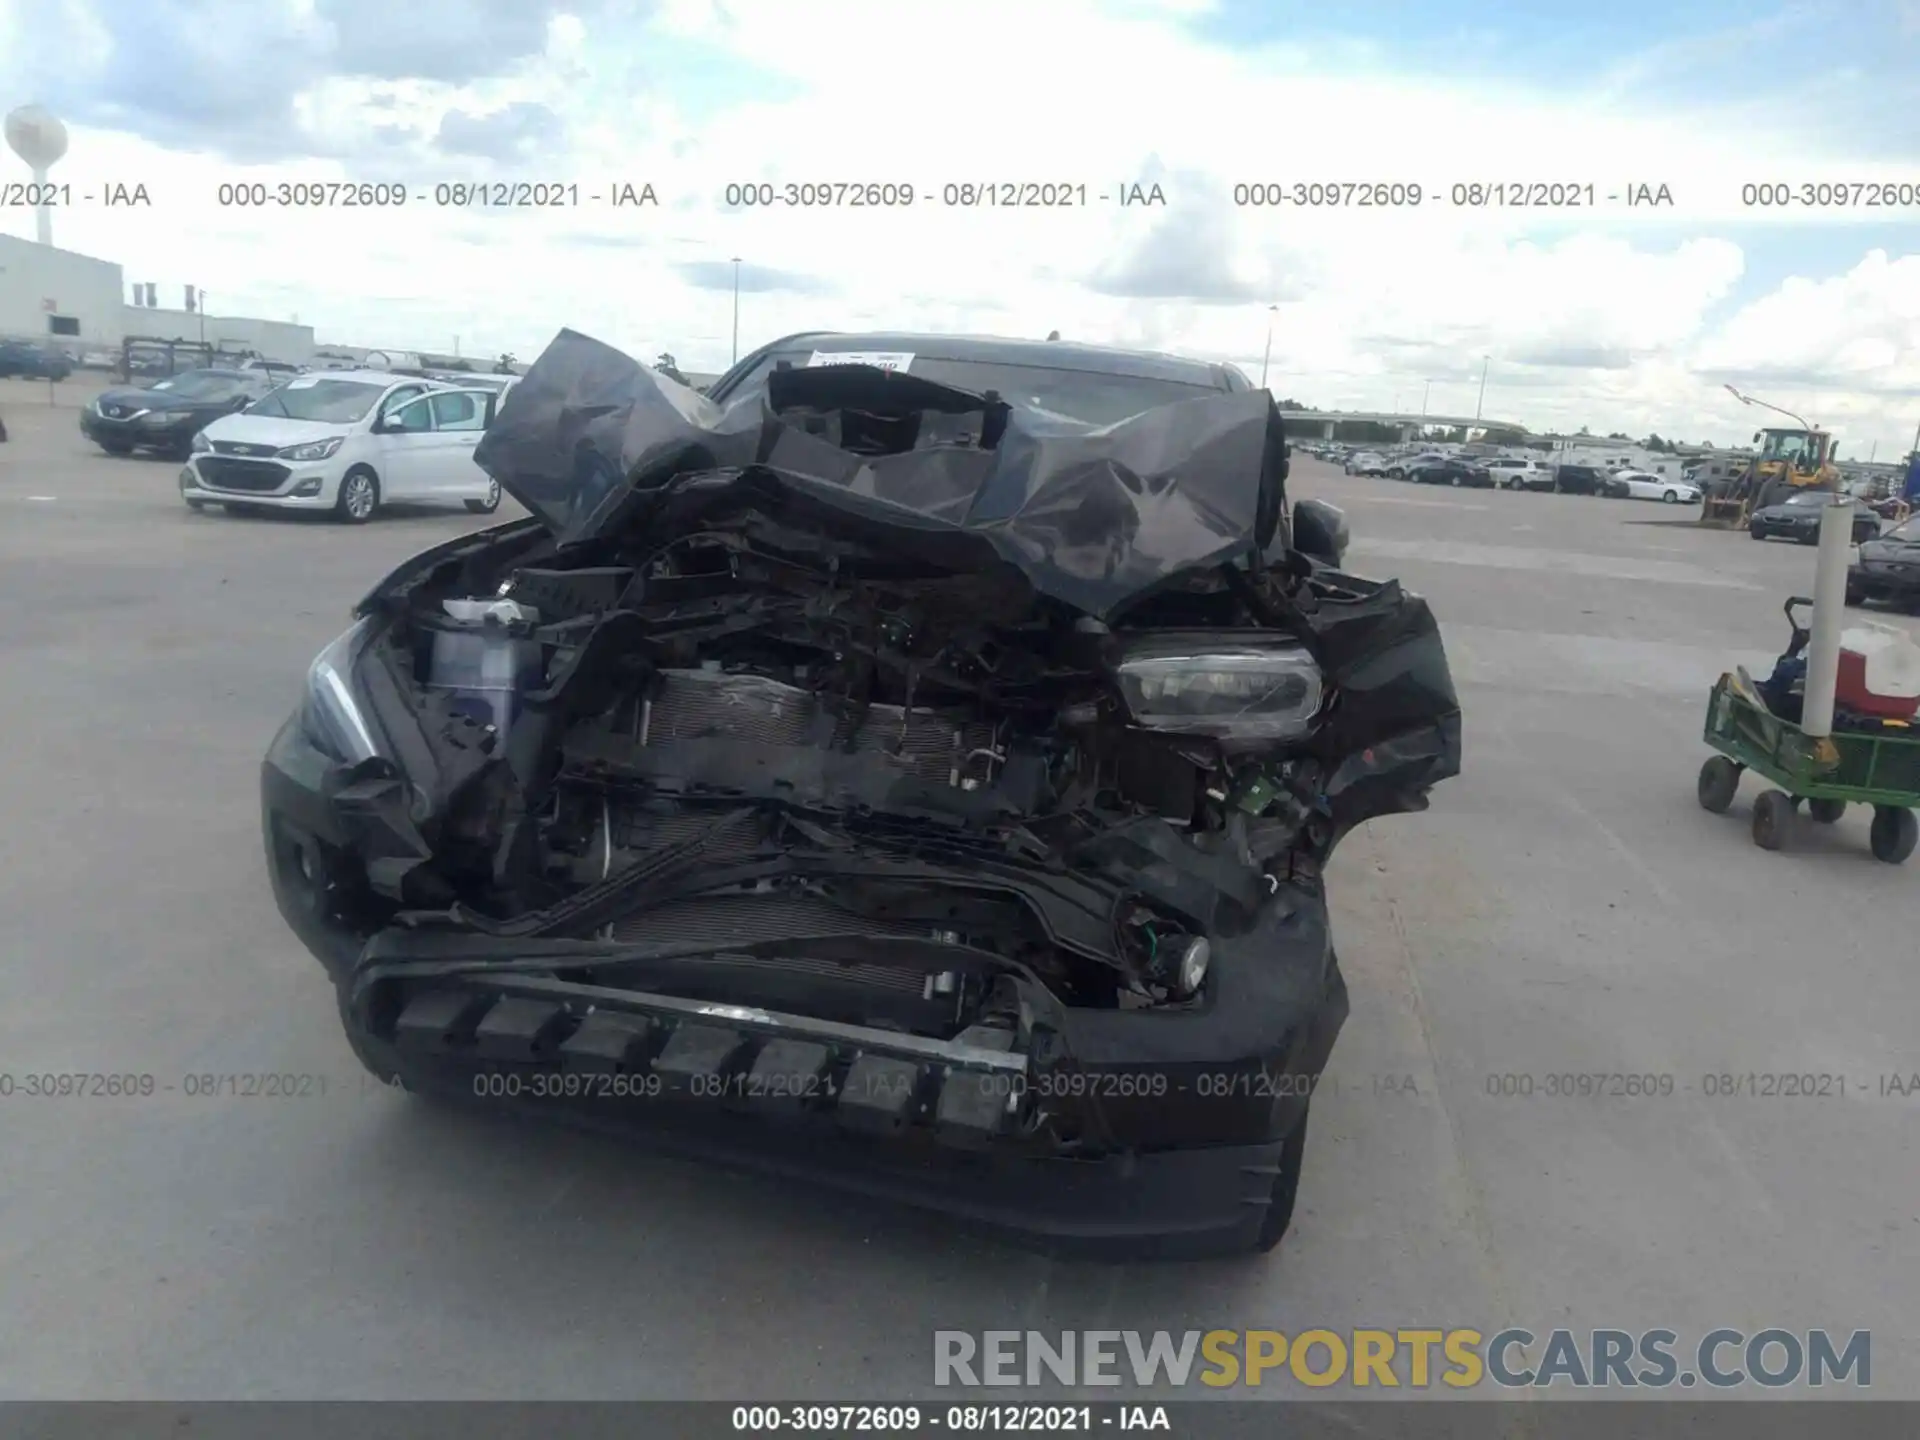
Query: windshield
{"x": 1097, "y": 399}
{"x": 336, "y": 402}
{"x": 200, "y": 385}
{"x": 1792, "y": 445}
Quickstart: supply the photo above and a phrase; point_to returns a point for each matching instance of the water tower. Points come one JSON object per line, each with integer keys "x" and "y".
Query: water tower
{"x": 38, "y": 138}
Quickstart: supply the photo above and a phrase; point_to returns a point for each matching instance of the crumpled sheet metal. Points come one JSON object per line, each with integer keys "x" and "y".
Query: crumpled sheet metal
{"x": 1096, "y": 517}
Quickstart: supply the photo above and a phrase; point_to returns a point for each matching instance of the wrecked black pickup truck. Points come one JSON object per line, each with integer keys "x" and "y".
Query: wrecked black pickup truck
{"x": 873, "y": 781}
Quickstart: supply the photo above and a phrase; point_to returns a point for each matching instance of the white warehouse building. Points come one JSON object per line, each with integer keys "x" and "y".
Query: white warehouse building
{"x": 81, "y": 303}
{"x": 57, "y": 296}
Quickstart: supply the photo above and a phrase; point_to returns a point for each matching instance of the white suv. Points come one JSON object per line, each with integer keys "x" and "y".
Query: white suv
{"x": 1511, "y": 473}
{"x": 347, "y": 441}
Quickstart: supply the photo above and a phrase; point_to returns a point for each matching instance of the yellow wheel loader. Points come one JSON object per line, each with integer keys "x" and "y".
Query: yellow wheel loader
{"x": 1784, "y": 460}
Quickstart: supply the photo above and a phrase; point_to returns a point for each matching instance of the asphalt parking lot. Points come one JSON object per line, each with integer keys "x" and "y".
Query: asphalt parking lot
{"x": 1565, "y": 906}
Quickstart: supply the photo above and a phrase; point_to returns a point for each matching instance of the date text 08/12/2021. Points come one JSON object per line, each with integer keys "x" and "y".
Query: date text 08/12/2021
{"x": 511, "y": 1084}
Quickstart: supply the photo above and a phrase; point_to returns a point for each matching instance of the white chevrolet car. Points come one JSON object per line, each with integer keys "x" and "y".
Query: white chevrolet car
{"x": 346, "y": 441}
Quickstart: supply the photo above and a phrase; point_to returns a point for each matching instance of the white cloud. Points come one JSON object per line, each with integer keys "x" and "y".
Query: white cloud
{"x": 1602, "y": 315}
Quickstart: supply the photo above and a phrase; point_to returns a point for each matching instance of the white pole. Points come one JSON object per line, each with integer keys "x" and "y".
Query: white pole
{"x": 1829, "y": 606}
{"x": 42, "y": 213}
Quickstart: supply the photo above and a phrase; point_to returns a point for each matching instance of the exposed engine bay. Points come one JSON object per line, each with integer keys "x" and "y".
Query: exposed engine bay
{"x": 883, "y": 703}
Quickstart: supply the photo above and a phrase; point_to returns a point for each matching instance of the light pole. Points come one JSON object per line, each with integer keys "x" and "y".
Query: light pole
{"x": 1423, "y": 401}
{"x": 201, "y": 306}
{"x": 736, "y": 309}
{"x": 1485, "y": 361}
{"x": 1750, "y": 400}
{"x": 1272, "y": 310}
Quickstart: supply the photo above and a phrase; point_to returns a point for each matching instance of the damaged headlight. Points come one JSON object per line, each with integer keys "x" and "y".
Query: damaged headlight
{"x": 313, "y": 449}
{"x": 1248, "y": 694}
{"x": 331, "y": 715}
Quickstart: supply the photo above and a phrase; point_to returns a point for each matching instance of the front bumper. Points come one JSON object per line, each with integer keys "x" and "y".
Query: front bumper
{"x": 104, "y": 430}
{"x": 1884, "y": 581}
{"x": 281, "y": 484}
{"x": 1099, "y": 1131}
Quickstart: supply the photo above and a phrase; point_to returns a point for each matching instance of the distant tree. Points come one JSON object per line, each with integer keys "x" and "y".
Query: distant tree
{"x": 1654, "y": 443}
{"x": 1504, "y": 437}
{"x": 1618, "y": 435}
{"x": 1292, "y": 405}
{"x": 1583, "y": 431}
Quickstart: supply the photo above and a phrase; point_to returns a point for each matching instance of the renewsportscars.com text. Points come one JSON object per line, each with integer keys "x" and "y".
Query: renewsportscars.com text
{"x": 1416, "y": 1359}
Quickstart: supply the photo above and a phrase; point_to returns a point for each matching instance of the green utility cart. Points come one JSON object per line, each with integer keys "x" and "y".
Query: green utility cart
{"x": 1877, "y": 769}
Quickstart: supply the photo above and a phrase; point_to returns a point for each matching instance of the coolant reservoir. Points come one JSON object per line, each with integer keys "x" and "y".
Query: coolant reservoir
{"x": 484, "y": 655}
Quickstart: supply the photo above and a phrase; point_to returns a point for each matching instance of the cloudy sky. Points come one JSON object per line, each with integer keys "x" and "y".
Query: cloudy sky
{"x": 1617, "y": 317}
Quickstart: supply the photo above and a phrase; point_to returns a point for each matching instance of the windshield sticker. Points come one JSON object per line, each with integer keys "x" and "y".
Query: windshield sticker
{"x": 885, "y": 359}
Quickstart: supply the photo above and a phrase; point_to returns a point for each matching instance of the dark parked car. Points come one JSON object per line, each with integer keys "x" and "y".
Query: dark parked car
{"x": 1578, "y": 480}
{"x": 167, "y": 414}
{"x": 1403, "y": 468}
{"x": 1798, "y": 518}
{"x": 1453, "y": 471}
{"x": 860, "y": 777}
{"x": 1888, "y": 567}
{"x": 25, "y": 360}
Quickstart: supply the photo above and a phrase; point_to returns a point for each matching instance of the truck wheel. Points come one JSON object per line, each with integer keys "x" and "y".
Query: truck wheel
{"x": 1719, "y": 778}
{"x": 1772, "y": 814}
{"x": 1893, "y": 834}
{"x": 1286, "y": 1185}
{"x": 1825, "y": 812}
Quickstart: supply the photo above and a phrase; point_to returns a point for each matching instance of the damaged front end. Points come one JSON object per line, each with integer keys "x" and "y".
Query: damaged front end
{"x": 876, "y": 763}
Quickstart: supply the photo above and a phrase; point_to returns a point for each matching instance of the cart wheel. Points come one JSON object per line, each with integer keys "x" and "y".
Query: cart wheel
{"x": 1719, "y": 778}
{"x": 1893, "y": 833}
{"x": 1825, "y": 812}
{"x": 1772, "y": 814}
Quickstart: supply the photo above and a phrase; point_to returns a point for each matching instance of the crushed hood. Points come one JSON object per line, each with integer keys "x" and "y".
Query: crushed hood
{"x": 1094, "y": 516}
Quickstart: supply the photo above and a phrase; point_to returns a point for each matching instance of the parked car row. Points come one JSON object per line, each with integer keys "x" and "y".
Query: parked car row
{"x": 1508, "y": 472}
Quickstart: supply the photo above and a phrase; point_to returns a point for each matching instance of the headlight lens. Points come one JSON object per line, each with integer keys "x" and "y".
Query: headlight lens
{"x": 1230, "y": 694}
{"x": 331, "y": 714}
{"x": 1191, "y": 973}
{"x": 201, "y": 445}
{"x": 313, "y": 449}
